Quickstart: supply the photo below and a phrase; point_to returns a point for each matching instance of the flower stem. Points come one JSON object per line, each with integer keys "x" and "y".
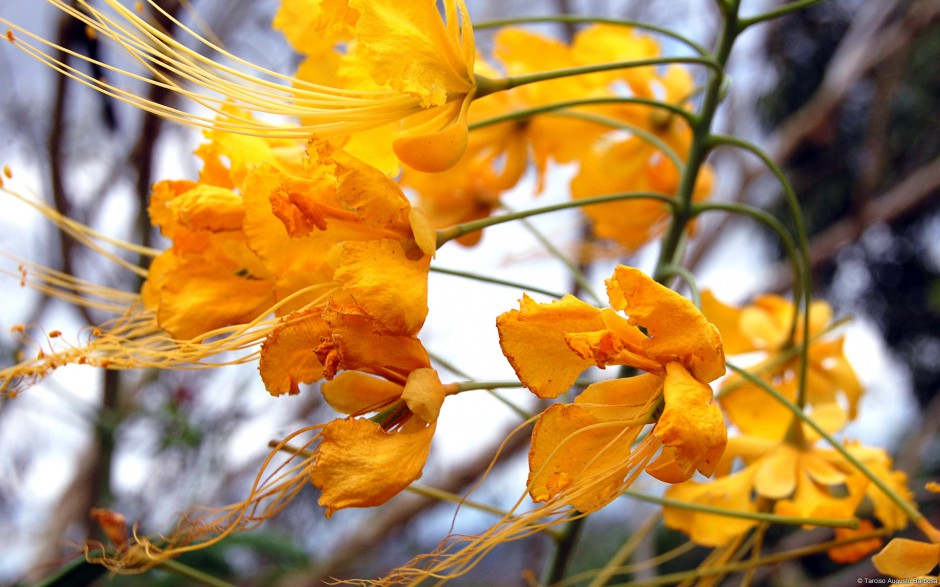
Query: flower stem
{"x": 494, "y": 280}
{"x": 458, "y": 230}
{"x": 530, "y": 112}
{"x": 756, "y": 516}
{"x": 566, "y": 18}
{"x": 564, "y": 550}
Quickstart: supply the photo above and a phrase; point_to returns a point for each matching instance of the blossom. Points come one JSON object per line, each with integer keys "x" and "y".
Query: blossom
{"x": 292, "y": 233}
{"x": 799, "y": 479}
{"x": 417, "y": 63}
{"x": 832, "y": 388}
{"x": 589, "y": 443}
{"x": 365, "y": 462}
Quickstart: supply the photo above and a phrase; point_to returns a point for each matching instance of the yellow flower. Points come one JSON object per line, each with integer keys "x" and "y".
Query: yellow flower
{"x": 764, "y": 327}
{"x": 418, "y": 63}
{"x": 803, "y": 481}
{"x": 585, "y": 449}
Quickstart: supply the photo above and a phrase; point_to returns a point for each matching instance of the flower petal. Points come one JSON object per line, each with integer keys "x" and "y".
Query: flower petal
{"x": 905, "y": 559}
{"x": 355, "y": 393}
{"x": 533, "y": 339}
{"x": 575, "y": 451}
{"x": 287, "y": 355}
{"x": 677, "y": 329}
{"x": 358, "y": 464}
{"x": 691, "y": 422}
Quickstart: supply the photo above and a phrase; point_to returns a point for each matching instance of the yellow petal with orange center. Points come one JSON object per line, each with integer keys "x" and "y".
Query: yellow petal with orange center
{"x": 287, "y": 355}
{"x": 533, "y": 339}
{"x": 691, "y": 422}
{"x": 677, "y": 329}
{"x": 358, "y": 464}
{"x": 906, "y": 559}
{"x": 355, "y": 393}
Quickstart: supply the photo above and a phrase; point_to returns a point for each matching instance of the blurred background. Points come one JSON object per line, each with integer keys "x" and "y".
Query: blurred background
{"x": 844, "y": 95}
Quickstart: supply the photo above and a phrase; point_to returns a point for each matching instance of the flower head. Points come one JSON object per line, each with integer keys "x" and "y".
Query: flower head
{"x": 591, "y": 441}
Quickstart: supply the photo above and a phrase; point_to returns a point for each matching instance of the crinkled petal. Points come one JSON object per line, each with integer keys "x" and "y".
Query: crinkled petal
{"x": 385, "y": 282}
{"x": 624, "y": 399}
{"x": 533, "y": 339}
{"x": 691, "y": 422}
{"x": 411, "y": 49}
{"x": 677, "y": 329}
{"x": 355, "y": 344}
{"x": 287, "y": 355}
{"x": 358, "y": 464}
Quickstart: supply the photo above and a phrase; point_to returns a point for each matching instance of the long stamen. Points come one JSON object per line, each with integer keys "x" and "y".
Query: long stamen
{"x": 326, "y": 111}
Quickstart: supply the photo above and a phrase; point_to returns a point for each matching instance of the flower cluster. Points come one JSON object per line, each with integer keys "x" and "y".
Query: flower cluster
{"x": 305, "y": 243}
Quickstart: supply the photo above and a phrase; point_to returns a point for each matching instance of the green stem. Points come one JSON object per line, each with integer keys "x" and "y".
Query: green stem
{"x": 510, "y": 82}
{"x": 563, "y": 551}
{"x": 902, "y": 503}
{"x": 494, "y": 280}
{"x": 644, "y": 134}
{"x": 698, "y": 150}
{"x": 777, "y": 12}
{"x": 530, "y": 112}
{"x": 182, "y": 570}
{"x": 764, "y": 218}
{"x": 458, "y": 230}
{"x": 688, "y": 278}
{"x": 756, "y": 516}
{"x": 459, "y": 373}
{"x": 473, "y": 385}
{"x": 563, "y": 18}
{"x": 802, "y": 279}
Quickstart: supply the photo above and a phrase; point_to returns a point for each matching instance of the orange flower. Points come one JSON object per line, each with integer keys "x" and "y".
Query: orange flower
{"x": 290, "y": 233}
{"x": 585, "y": 448}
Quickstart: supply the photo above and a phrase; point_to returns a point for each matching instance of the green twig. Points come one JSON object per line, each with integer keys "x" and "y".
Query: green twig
{"x": 756, "y": 516}
{"x": 523, "y": 114}
{"x": 497, "y": 281}
{"x": 777, "y": 12}
{"x": 565, "y": 18}
{"x": 458, "y": 230}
